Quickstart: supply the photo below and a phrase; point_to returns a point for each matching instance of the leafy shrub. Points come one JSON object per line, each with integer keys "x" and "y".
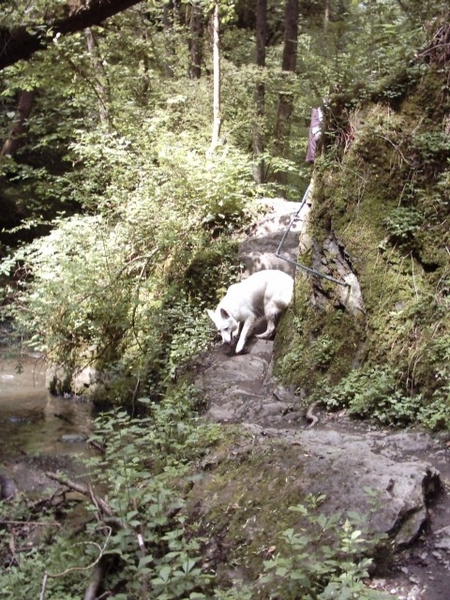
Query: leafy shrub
{"x": 150, "y": 549}
{"x": 94, "y": 291}
{"x": 430, "y": 150}
{"x": 435, "y": 374}
{"x": 325, "y": 561}
{"x": 146, "y": 543}
{"x": 323, "y": 350}
{"x": 374, "y": 393}
{"x": 191, "y": 334}
{"x": 402, "y": 224}
{"x": 435, "y": 414}
{"x": 74, "y": 292}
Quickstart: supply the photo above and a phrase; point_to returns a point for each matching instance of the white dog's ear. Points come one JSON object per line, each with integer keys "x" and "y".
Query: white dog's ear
{"x": 224, "y": 314}
{"x": 211, "y": 315}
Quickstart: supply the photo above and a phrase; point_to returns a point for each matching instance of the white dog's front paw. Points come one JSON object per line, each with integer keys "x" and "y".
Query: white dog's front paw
{"x": 239, "y": 347}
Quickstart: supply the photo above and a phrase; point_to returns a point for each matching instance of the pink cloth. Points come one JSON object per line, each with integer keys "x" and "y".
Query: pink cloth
{"x": 315, "y": 131}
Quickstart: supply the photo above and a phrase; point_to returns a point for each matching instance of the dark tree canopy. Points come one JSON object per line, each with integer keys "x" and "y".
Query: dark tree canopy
{"x": 21, "y": 42}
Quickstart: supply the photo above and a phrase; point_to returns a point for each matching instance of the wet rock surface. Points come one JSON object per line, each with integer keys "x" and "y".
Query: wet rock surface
{"x": 38, "y": 432}
{"x": 407, "y": 470}
{"x": 258, "y": 250}
{"x": 339, "y": 463}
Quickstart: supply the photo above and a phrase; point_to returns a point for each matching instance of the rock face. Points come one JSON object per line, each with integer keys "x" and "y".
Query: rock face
{"x": 343, "y": 465}
{"x": 258, "y": 251}
{"x": 374, "y": 473}
{"x": 8, "y": 488}
{"x": 82, "y": 381}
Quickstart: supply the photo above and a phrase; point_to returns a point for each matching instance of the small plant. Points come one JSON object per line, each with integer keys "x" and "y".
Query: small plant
{"x": 323, "y": 351}
{"x": 374, "y": 393}
{"x": 325, "y": 560}
{"x": 435, "y": 415}
{"x": 402, "y": 224}
{"x": 191, "y": 334}
{"x": 431, "y": 147}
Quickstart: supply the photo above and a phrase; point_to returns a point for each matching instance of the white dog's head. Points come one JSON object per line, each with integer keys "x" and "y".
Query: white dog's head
{"x": 226, "y": 325}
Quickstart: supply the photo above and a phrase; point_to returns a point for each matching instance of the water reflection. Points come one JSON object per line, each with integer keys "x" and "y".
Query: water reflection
{"x": 32, "y": 421}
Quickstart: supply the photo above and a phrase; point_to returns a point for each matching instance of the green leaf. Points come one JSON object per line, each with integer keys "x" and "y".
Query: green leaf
{"x": 145, "y": 560}
{"x": 145, "y": 400}
{"x": 164, "y": 573}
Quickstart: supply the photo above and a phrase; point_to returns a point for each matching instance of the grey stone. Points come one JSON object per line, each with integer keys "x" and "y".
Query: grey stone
{"x": 73, "y": 438}
{"x": 374, "y": 473}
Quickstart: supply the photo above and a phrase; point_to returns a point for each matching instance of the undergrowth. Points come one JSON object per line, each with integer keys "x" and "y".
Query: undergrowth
{"x": 310, "y": 566}
{"x": 378, "y": 393}
{"x": 134, "y": 533}
{"x": 373, "y": 393}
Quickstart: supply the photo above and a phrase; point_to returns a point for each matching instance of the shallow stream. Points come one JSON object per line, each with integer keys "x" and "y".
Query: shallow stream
{"x": 38, "y": 431}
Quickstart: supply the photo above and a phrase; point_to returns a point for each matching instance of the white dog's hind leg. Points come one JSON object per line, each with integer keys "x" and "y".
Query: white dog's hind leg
{"x": 271, "y": 313}
{"x": 246, "y": 329}
{"x": 267, "y": 334}
{"x": 269, "y": 330}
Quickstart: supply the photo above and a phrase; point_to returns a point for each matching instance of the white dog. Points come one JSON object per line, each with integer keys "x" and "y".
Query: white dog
{"x": 263, "y": 294}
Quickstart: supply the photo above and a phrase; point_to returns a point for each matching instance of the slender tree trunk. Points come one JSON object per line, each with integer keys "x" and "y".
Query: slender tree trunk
{"x": 100, "y": 76}
{"x": 289, "y": 63}
{"x": 168, "y": 15}
{"x": 196, "y": 41}
{"x": 23, "y": 112}
{"x": 260, "y": 90}
{"x": 326, "y": 18}
{"x": 168, "y": 20}
{"x": 9, "y": 213}
{"x": 290, "y": 35}
{"x": 216, "y": 95}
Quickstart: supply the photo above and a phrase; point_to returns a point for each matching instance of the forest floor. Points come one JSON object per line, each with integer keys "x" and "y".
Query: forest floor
{"x": 417, "y": 570}
{"x": 422, "y": 570}
{"x": 240, "y": 389}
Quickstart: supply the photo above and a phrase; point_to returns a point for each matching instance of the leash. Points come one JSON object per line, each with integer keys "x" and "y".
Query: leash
{"x": 297, "y": 264}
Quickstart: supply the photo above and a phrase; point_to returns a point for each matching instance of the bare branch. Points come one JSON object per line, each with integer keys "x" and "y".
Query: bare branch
{"x": 82, "y": 489}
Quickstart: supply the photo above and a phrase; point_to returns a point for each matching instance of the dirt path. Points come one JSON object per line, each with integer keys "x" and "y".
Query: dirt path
{"x": 410, "y": 469}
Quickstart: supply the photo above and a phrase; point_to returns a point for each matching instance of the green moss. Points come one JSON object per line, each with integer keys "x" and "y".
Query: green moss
{"x": 314, "y": 346}
{"x": 229, "y": 503}
{"x": 214, "y": 261}
{"x": 429, "y": 98}
{"x": 385, "y": 198}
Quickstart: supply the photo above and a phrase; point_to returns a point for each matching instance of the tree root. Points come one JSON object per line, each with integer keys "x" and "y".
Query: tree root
{"x": 311, "y": 416}
{"x": 96, "y": 579}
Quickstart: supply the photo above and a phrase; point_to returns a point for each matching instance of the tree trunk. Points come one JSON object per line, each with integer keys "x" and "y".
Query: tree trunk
{"x": 168, "y": 15}
{"x": 216, "y": 61}
{"x": 260, "y": 90}
{"x": 19, "y": 43}
{"x": 326, "y": 18}
{"x": 196, "y": 41}
{"x": 23, "y": 112}
{"x": 289, "y": 63}
{"x": 169, "y": 52}
{"x": 100, "y": 76}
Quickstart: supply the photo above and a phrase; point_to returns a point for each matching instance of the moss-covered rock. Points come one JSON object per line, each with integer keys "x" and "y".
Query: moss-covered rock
{"x": 259, "y": 488}
{"x": 384, "y": 196}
